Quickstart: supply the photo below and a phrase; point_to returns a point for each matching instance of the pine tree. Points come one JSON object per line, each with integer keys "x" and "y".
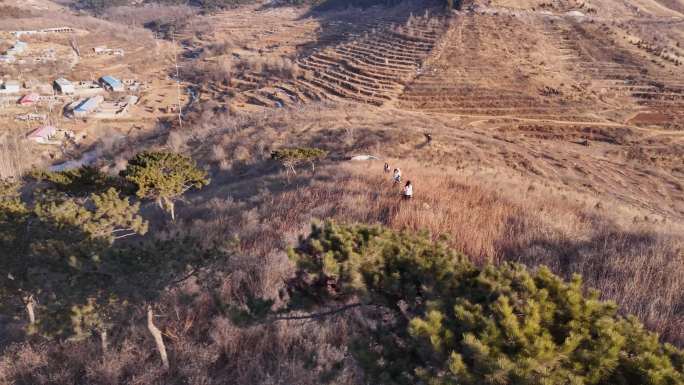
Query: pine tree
{"x": 164, "y": 177}
{"x": 290, "y": 158}
{"x": 79, "y": 181}
{"x": 448, "y": 322}
{"x": 64, "y": 261}
{"x": 53, "y": 253}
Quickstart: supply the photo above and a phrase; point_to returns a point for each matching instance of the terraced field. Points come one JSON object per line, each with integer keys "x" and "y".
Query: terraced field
{"x": 623, "y": 77}
{"x": 554, "y": 63}
{"x": 369, "y": 68}
{"x": 550, "y": 67}
{"x": 470, "y": 77}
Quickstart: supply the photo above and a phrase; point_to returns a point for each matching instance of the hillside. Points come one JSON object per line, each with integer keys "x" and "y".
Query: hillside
{"x": 534, "y": 132}
{"x": 599, "y": 87}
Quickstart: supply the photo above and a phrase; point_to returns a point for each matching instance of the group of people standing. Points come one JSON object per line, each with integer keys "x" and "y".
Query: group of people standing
{"x": 407, "y": 190}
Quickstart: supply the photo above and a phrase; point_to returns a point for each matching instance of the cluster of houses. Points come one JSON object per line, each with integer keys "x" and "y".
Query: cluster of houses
{"x": 87, "y": 95}
{"x": 89, "y": 101}
{"x": 89, "y": 104}
{"x": 20, "y": 47}
{"x": 109, "y": 83}
{"x": 17, "y": 54}
{"x": 63, "y": 86}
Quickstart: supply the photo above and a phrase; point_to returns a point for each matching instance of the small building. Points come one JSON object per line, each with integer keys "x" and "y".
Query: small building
{"x": 11, "y": 87}
{"x": 42, "y": 134}
{"x": 29, "y": 99}
{"x": 87, "y": 106}
{"x": 7, "y": 59}
{"x": 104, "y": 50}
{"x": 112, "y": 84}
{"x": 17, "y": 49}
{"x": 58, "y": 30}
{"x": 131, "y": 100}
{"x": 64, "y": 86}
{"x": 21, "y": 33}
{"x": 30, "y": 117}
{"x": 46, "y": 30}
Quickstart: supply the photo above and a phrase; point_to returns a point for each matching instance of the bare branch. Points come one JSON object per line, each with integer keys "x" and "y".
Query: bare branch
{"x": 319, "y": 315}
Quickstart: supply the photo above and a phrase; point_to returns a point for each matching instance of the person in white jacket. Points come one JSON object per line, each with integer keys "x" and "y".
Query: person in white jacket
{"x": 407, "y": 192}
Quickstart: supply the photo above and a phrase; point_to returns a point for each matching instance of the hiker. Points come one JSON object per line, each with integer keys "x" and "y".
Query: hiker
{"x": 397, "y": 175}
{"x": 386, "y": 169}
{"x": 428, "y": 137}
{"x": 407, "y": 192}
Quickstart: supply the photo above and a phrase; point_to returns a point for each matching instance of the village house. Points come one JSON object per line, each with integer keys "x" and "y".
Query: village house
{"x": 29, "y": 99}
{"x": 42, "y": 135}
{"x": 111, "y": 83}
{"x": 17, "y": 49}
{"x": 88, "y": 106}
{"x": 46, "y": 30}
{"x": 11, "y": 87}
{"x": 64, "y": 86}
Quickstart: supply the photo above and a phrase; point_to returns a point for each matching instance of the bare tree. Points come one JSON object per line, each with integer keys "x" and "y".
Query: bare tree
{"x": 158, "y": 339}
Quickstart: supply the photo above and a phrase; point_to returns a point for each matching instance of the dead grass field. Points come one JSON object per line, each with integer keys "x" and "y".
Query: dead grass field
{"x": 601, "y": 210}
{"x": 637, "y": 263}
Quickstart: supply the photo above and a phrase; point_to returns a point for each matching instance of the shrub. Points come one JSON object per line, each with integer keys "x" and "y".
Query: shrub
{"x": 164, "y": 177}
{"x": 53, "y": 254}
{"x": 79, "y": 181}
{"x": 8, "y": 11}
{"x": 444, "y": 321}
{"x": 291, "y": 157}
{"x": 98, "y": 6}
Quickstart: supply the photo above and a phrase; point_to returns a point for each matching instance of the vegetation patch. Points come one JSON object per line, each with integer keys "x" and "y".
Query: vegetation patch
{"x": 444, "y": 321}
{"x": 79, "y": 181}
{"x": 291, "y": 157}
{"x": 163, "y": 177}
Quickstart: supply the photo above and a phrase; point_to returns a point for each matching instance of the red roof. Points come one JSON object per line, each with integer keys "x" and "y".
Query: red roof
{"x": 43, "y": 132}
{"x": 29, "y": 98}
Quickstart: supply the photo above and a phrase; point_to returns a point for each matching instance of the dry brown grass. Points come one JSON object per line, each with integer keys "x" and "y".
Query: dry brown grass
{"x": 11, "y": 12}
{"x": 14, "y": 157}
{"x": 492, "y": 218}
{"x": 636, "y": 261}
{"x": 139, "y": 16}
{"x": 206, "y": 346}
{"x": 488, "y": 212}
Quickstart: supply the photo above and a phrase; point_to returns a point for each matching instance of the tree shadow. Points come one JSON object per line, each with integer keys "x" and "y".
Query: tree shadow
{"x": 77, "y": 283}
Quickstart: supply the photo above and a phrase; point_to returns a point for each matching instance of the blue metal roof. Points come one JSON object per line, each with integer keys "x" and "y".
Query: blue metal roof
{"x": 88, "y": 105}
{"x": 112, "y": 81}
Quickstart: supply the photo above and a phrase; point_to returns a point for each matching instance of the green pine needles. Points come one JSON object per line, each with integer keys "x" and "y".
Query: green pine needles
{"x": 80, "y": 181}
{"x": 445, "y": 321}
{"x": 291, "y": 157}
{"x": 164, "y": 177}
